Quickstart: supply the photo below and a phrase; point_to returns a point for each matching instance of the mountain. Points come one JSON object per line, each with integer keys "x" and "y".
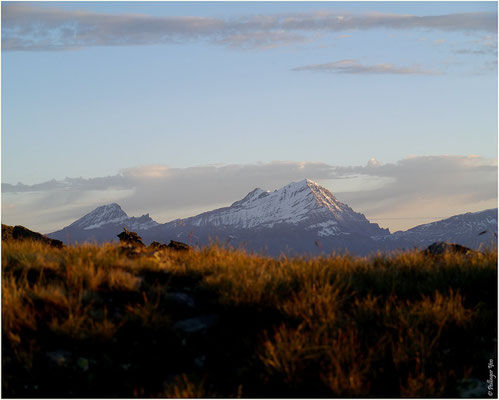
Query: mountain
{"x": 299, "y": 218}
{"x": 102, "y": 225}
{"x": 303, "y": 204}
{"x": 470, "y": 229}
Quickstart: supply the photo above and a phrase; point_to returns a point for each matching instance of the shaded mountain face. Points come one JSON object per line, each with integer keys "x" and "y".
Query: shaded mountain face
{"x": 473, "y": 230}
{"x": 299, "y": 218}
{"x": 102, "y": 225}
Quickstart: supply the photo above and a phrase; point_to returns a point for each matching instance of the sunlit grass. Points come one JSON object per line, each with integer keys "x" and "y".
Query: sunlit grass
{"x": 404, "y": 324}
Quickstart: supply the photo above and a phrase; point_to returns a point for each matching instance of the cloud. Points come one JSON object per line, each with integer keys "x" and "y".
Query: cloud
{"x": 354, "y": 67}
{"x": 445, "y": 185}
{"x": 30, "y": 28}
{"x": 263, "y": 39}
{"x": 339, "y": 22}
{"x": 485, "y": 46}
{"x": 475, "y": 52}
{"x": 434, "y": 185}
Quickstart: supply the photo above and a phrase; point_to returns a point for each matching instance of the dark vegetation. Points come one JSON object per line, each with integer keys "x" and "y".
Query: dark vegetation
{"x": 100, "y": 321}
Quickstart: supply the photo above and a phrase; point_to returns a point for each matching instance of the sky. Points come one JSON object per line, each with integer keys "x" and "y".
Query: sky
{"x": 173, "y": 108}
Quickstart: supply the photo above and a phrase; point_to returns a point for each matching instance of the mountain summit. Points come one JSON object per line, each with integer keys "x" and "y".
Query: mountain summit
{"x": 110, "y": 213}
{"x": 102, "y": 225}
{"x": 304, "y": 203}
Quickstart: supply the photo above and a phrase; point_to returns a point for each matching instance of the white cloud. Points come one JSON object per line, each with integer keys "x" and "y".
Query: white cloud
{"x": 411, "y": 187}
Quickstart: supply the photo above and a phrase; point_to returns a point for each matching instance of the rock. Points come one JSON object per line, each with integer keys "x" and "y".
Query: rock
{"x": 181, "y": 299}
{"x": 178, "y": 245}
{"x": 130, "y": 238}
{"x": 157, "y": 246}
{"x": 472, "y": 387}
{"x": 439, "y": 248}
{"x": 60, "y": 358}
{"x": 19, "y": 232}
{"x": 197, "y": 324}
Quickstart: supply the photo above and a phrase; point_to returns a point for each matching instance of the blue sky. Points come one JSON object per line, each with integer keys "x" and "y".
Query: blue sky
{"x": 99, "y": 89}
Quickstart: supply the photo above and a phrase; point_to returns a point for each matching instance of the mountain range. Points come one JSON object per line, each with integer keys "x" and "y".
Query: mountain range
{"x": 299, "y": 218}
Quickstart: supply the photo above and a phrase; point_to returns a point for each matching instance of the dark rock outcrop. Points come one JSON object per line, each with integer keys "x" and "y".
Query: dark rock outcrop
{"x": 19, "y": 232}
{"x": 130, "y": 238}
{"x": 157, "y": 246}
{"x": 439, "y": 248}
{"x": 131, "y": 243}
{"x": 178, "y": 245}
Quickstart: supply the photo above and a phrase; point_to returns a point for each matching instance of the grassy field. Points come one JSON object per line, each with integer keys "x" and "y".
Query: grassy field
{"x": 91, "y": 321}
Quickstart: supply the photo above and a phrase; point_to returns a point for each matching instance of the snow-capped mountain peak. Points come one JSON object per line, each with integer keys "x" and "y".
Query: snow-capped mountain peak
{"x": 109, "y": 213}
{"x": 299, "y": 203}
{"x": 112, "y": 214}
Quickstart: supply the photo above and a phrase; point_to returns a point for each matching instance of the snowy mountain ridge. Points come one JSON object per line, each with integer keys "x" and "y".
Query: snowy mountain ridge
{"x": 469, "y": 229}
{"x": 112, "y": 214}
{"x": 299, "y": 218}
{"x": 303, "y": 202}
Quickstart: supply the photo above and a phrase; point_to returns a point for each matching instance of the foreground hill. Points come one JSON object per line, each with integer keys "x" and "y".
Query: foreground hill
{"x": 300, "y": 218}
{"x": 89, "y": 321}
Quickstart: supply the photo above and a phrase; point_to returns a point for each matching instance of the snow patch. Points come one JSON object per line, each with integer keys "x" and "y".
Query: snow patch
{"x": 329, "y": 228}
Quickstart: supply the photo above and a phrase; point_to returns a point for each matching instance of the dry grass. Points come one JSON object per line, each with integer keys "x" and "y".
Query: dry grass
{"x": 391, "y": 325}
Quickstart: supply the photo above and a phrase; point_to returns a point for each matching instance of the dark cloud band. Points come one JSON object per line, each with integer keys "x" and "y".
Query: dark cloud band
{"x": 26, "y": 27}
{"x": 354, "y": 67}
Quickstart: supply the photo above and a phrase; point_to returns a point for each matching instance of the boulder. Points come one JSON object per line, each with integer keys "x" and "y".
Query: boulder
{"x": 439, "y": 248}
{"x": 130, "y": 238}
{"x": 197, "y": 324}
{"x": 178, "y": 245}
{"x": 182, "y": 299}
{"x": 157, "y": 246}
